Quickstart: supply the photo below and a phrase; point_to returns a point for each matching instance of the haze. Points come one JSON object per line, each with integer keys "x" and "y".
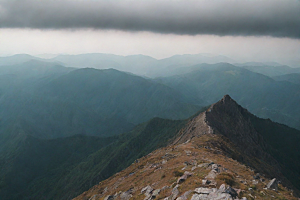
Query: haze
{"x": 262, "y": 31}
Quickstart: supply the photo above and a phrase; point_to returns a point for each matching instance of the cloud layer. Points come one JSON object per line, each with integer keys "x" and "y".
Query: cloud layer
{"x": 244, "y": 18}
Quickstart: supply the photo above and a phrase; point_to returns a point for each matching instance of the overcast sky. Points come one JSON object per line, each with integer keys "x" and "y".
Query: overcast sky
{"x": 243, "y": 30}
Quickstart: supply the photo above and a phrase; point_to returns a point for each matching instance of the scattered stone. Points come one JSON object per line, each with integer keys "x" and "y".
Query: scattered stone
{"x": 231, "y": 191}
{"x": 188, "y": 153}
{"x": 184, "y": 177}
{"x": 199, "y": 197}
{"x": 147, "y": 190}
{"x": 175, "y": 193}
{"x": 202, "y": 190}
{"x": 257, "y": 176}
{"x": 273, "y": 184}
{"x": 184, "y": 196}
{"x": 109, "y": 197}
{"x": 164, "y": 162}
{"x": 96, "y": 196}
{"x": 165, "y": 187}
{"x": 215, "y": 168}
{"x": 254, "y": 182}
{"x": 126, "y": 195}
{"x": 244, "y": 198}
{"x": 193, "y": 168}
{"x": 222, "y": 188}
{"x": 155, "y": 193}
{"x": 205, "y": 165}
{"x": 205, "y": 182}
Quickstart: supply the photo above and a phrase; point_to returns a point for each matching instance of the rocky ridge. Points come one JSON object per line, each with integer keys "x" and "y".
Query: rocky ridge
{"x": 218, "y": 155}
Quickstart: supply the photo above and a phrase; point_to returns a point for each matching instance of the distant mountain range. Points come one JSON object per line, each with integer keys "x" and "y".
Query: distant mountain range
{"x": 147, "y": 66}
{"x": 70, "y": 128}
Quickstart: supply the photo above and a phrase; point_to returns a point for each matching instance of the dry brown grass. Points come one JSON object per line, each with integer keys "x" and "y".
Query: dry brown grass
{"x": 167, "y": 174}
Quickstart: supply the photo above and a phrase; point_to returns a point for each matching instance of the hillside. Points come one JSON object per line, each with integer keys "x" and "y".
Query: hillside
{"x": 114, "y": 93}
{"x": 293, "y": 78}
{"x": 273, "y": 69}
{"x": 262, "y": 95}
{"x": 219, "y": 154}
{"x": 65, "y": 167}
{"x": 60, "y": 102}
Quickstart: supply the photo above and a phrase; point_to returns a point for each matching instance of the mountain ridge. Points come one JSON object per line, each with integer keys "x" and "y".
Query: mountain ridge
{"x": 224, "y": 132}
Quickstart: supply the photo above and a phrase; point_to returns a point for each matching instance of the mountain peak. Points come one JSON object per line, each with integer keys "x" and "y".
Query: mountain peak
{"x": 226, "y": 98}
{"x": 214, "y": 156}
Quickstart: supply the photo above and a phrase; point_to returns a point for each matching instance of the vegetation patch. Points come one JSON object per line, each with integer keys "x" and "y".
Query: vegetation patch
{"x": 226, "y": 177}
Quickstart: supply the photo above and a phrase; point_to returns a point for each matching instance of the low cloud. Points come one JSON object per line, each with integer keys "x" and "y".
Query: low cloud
{"x": 227, "y": 17}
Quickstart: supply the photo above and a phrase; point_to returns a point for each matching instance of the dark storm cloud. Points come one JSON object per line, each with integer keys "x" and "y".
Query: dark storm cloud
{"x": 245, "y": 18}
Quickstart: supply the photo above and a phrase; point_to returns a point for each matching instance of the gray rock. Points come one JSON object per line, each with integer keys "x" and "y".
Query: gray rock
{"x": 214, "y": 195}
{"x": 147, "y": 190}
{"x": 96, "y": 196}
{"x": 185, "y": 195}
{"x": 231, "y": 191}
{"x": 222, "y": 188}
{"x": 203, "y": 165}
{"x": 205, "y": 182}
{"x": 273, "y": 184}
{"x": 202, "y": 190}
{"x": 155, "y": 193}
{"x": 199, "y": 197}
{"x": 175, "y": 193}
{"x": 219, "y": 196}
{"x": 211, "y": 175}
{"x": 126, "y": 195}
{"x": 184, "y": 177}
{"x": 215, "y": 168}
{"x": 109, "y": 197}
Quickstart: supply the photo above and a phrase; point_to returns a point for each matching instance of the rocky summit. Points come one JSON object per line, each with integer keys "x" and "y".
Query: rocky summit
{"x": 219, "y": 154}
